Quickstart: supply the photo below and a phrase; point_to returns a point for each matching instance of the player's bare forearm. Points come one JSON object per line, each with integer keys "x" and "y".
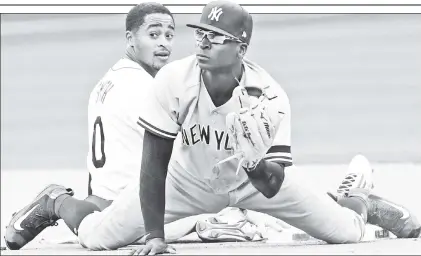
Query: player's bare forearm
{"x": 267, "y": 177}
{"x": 156, "y": 156}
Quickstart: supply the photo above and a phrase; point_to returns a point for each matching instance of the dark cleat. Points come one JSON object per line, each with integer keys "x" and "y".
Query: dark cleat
{"x": 392, "y": 217}
{"x": 27, "y": 223}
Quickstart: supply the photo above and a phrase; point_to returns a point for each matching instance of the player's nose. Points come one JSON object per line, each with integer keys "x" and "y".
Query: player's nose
{"x": 204, "y": 43}
{"x": 165, "y": 43}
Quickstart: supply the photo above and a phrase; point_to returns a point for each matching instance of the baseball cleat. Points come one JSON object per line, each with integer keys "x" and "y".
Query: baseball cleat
{"x": 358, "y": 176}
{"x": 228, "y": 228}
{"x": 27, "y": 223}
{"x": 392, "y": 217}
{"x": 380, "y": 212}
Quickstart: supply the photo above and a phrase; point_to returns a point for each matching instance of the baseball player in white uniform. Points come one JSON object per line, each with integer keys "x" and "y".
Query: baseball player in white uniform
{"x": 115, "y": 137}
{"x": 227, "y": 124}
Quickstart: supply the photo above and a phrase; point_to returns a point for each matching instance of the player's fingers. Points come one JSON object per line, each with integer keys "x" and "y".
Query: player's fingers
{"x": 171, "y": 249}
{"x": 137, "y": 252}
{"x": 143, "y": 250}
{"x": 152, "y": 251}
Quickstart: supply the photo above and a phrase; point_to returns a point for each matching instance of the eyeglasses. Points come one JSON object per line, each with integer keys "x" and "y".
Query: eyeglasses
{"x": 213, "y": 37}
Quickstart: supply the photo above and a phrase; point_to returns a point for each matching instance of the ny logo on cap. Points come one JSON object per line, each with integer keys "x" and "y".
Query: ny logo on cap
{"x": 215, "y": 13}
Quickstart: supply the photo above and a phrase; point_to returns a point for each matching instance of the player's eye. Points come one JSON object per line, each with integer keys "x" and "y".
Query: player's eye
{"x": 199, "y": 32}
{"x": 211, "y": 35}
{"x": 170, "y": 36}
{"x": 154, "y": 35}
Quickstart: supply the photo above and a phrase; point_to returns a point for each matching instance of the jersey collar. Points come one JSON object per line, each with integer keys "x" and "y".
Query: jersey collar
{"x": 127, "y": 63}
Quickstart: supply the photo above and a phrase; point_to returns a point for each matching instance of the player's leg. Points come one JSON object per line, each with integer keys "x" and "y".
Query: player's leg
{"x": 98, "y": 201}
{"x": 381, "y": 212}
{"x": 313, "y": 211}
{"x": 121, "y": 223}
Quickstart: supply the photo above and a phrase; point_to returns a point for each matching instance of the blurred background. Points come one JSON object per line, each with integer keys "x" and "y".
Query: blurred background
{"x": 354, "y": 82}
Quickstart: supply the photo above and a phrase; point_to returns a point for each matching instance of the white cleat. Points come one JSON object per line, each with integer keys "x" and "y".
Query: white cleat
{"x": 381, "y": 212}
{"x": 358, "y": 176}
{"x": 229, "y": 225}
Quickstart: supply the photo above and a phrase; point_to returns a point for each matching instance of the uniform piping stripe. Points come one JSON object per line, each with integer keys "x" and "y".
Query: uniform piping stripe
{"x": 283, "y": 158}
{"x": 280, "y": 154}
{"x": 155, "y": 130}
{"x": 280, "y": 148}
{"x": 157, "y": 133}
{"x": 282, "y": 161}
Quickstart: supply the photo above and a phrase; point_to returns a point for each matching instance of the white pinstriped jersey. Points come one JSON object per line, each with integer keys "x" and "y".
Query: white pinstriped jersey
{"x": 181, "y": 105}
{"x": 115, "y": 138}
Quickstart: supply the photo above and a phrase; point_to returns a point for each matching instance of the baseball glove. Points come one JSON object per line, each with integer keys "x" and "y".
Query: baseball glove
{"x": 251, "y": 130}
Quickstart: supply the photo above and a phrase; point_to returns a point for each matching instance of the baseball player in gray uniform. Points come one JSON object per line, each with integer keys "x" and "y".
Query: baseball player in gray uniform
{"x": 234, "y": 122}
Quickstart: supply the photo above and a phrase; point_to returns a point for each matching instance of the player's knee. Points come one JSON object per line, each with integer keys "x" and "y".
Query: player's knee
{"x": 89, "y": 234}
{"x": 348, "y": 233}
{"x": 346, "y": 237}
{"x": 347, "y": 228}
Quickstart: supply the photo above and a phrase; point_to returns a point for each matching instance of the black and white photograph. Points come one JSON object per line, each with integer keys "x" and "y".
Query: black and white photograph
{"x": 210, "y": 127}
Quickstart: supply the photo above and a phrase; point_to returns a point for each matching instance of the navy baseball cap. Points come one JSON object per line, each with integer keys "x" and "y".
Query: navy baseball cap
{"x": 227, "y": 18}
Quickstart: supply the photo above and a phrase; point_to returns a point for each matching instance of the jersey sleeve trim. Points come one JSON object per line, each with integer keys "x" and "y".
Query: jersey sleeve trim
{"x": 155, "y": 130}
{"x": 279, "y": 153}
{"x": 280, "y": 149}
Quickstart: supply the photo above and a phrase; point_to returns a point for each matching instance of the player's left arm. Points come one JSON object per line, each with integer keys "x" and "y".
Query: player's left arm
{"x": 161, "y": 124}
{"x": 268, "y": 175}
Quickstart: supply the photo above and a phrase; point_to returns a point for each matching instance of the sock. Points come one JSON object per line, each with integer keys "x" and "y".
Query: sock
{"x": 356, "y": 204}
{"x": 73, "y": 210}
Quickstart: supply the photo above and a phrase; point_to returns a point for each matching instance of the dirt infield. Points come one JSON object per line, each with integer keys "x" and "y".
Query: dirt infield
{"x": 379, "y": 247}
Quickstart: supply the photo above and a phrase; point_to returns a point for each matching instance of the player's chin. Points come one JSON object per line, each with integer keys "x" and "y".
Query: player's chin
{"x": 159, "y": 62}
{"x": 205, "y": 65}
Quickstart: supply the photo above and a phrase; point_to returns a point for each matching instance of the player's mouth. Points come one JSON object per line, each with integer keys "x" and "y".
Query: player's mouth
{"x": 162, "y": 55}
{"x": 200, "y": 56}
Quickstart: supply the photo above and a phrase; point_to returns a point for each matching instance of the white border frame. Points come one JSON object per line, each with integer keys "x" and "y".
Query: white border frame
{"x": 204, "y": 2}
{"x": 195, "y": 6}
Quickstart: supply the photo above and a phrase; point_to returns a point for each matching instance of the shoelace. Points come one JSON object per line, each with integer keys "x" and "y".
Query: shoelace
{"x": 347, "y": 183}
{"x": 47, "y": 221}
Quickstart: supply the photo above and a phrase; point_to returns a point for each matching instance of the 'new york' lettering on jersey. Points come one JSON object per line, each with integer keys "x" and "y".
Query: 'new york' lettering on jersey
{"x": 181, "y": 105}
{"x": 115, "y": 137}
{"x": 204, "y": 134}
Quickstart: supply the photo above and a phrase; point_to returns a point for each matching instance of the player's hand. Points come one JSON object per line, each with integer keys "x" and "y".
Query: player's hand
{"x": 155, "y": 246}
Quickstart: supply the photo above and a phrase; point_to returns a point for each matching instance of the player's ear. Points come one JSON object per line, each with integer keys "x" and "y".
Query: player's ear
{"x": 242, "y": 50}
{"x": 129, "y": 38}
